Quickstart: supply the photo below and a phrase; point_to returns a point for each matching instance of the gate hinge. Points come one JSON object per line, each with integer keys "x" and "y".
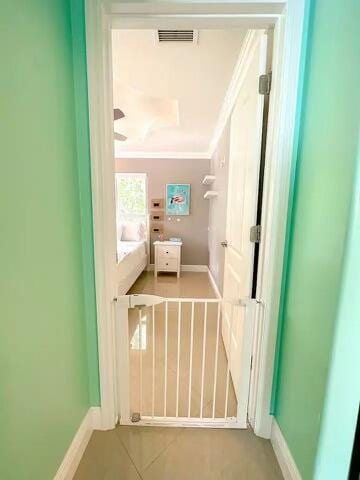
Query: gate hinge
{"x": 255, "y": 234}
{"x": 265, "y": 84}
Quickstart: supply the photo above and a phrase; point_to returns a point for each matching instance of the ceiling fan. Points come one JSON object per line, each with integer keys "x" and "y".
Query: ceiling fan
{"x": 117, "y": 115}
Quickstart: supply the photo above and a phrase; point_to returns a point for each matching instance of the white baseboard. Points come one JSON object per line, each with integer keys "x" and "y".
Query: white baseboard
{"x": 194, "y": 268}
{"x": 184, "y": 268}
{"x": 91, "y": 421}
{"x": 283, "y": 454}
{"x": 214, "y": 284}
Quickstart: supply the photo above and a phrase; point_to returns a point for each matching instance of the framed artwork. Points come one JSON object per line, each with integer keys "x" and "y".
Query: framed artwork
{"x": 178, "y": 199}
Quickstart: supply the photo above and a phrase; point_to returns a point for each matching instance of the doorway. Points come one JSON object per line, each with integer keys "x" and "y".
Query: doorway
{"x": 210, "y": 338}
{"x": 285, "y": 77}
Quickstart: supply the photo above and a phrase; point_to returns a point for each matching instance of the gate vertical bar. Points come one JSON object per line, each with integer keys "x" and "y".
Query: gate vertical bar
{"x": 122, "y": 330}
{"x": 153, "y": 363}
{"x": 178, "y": 359}
{"x": 216, "y": 358}
{"x": 141, "y": 364}
{"x": 203, "y": 361}
{"x": 166, "y": 352}
{"x": 228, "y": 361}
{"x": 191, "y": 356}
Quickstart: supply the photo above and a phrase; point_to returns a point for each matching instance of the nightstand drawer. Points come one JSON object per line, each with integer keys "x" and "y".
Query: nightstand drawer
{"x": 167, "y": 251}
{"x": 170, "y": 264}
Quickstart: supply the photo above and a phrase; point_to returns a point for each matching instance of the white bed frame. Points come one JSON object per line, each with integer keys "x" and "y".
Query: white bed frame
{"x": 125, "y": 284}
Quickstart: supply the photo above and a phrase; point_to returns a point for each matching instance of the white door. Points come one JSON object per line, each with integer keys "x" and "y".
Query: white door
{"x": 244, "y": 162}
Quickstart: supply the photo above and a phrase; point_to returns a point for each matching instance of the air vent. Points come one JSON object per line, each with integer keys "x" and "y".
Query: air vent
{"x": 176, "y": 36}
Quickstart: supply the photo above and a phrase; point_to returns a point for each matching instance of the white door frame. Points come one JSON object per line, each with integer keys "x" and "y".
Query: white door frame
{"x": 287, "y": 19}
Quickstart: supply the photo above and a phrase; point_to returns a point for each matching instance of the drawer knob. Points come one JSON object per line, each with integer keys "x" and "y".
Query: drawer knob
{"x": 167, "y": 264}
{"x": 167, "y": 251}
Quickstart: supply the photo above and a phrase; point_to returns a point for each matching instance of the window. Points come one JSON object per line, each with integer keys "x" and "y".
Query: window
{"x": 131, "y": 201}
{"x": 131, "y": 194}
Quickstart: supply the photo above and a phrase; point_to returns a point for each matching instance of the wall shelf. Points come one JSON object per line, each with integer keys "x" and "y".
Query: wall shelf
{"x": 210, "y": 194}
{"x": 208, "y": 179}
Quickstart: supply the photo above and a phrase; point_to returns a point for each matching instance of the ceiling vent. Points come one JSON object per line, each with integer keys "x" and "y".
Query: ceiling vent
{"x": 177, "y": 36}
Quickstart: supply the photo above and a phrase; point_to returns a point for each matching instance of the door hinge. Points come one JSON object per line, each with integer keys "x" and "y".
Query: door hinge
{"x": 255, "y": 234}
{"x": 265, "y": 84}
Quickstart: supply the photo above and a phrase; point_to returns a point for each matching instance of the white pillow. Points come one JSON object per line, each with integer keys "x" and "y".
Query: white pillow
{"x": 133, "y": 232}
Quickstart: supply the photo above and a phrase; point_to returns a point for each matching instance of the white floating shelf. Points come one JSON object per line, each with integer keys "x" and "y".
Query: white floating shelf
{"x": 211, "y": 194}
{"x": 208, "y": 179}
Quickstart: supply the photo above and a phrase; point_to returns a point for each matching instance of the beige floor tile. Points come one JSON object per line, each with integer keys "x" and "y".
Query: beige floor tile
{"x": 145, "y": 444}
{"x": 153, "y": 453}
{"x": 191, "y": 284}
{"x": 209, "y": 454}
{"x": 105, "y": 458}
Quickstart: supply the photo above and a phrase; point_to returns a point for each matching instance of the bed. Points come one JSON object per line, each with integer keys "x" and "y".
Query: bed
{"x": 132, "y": 259}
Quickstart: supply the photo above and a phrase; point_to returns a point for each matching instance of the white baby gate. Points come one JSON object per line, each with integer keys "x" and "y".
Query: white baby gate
{"x": 174, "y": 362}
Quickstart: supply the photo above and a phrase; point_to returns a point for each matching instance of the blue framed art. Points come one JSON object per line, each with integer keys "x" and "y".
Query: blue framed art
{"x": 178, "y": 199}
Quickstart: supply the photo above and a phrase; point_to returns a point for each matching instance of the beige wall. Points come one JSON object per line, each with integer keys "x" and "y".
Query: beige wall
{"x": 193, "y": 229}
{"x": 217, "y": 209}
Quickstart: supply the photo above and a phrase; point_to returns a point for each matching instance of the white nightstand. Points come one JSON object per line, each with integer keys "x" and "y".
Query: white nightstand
{"x": 167, "y": 257}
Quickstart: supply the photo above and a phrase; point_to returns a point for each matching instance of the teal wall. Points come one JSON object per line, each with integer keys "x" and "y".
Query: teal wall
{"x": 44, "y": 354}
{"x": 325, "y": 169}
{"x": 343, "y": 390}
{"x": 84, "y": 175}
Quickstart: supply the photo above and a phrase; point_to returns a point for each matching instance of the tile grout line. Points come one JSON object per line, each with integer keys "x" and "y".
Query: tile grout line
{"x": 128, "y": 454}
{"x": 181, "y": 430}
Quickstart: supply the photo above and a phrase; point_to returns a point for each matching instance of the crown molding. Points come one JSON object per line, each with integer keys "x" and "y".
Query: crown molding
{"x": 166, "y": 155}
{"x": 235, "y": 84}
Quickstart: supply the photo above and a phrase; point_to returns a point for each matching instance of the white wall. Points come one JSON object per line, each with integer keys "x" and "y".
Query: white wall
{"x": 217, "y": 207}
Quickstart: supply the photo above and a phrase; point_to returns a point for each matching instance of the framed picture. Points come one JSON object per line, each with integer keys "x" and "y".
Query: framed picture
{"x": 178, "y": 199}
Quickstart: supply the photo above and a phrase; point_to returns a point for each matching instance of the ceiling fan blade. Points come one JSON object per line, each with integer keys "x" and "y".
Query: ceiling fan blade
{"x": 120, "y": 137}
{"x": 118, "y": 114}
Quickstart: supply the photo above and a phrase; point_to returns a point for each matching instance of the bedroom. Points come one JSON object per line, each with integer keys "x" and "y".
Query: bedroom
{"x": 188, "y": 121}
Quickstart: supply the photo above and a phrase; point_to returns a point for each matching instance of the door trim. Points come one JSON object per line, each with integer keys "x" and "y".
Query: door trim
{"x": 287, "y": 19}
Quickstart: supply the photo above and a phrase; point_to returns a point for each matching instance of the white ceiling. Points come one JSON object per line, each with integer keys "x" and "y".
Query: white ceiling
{"x": 196, "y": 75}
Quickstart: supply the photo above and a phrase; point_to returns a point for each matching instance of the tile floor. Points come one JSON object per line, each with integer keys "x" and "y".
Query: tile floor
{"x": 160, "y": 453}
{"x": 155, "y": 453}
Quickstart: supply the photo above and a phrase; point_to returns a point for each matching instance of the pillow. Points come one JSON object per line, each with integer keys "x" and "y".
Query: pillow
{"x": 133, "y": 232}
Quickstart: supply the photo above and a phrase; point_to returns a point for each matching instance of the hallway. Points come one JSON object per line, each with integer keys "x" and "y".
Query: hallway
{"x": 163, "y": 453}
{"x": 155, "y": 453}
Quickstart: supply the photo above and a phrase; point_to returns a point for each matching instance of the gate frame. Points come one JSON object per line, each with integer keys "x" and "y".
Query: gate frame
{"x": 122, "y": 306}
{"x": 287, "y": 19}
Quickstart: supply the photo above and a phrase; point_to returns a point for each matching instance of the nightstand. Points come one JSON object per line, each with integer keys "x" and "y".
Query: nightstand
{"x": 167, "y": 257}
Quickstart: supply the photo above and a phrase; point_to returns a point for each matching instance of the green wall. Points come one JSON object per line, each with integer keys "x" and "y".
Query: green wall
{"x": 343, "y": 390}
{"x": 84, "y": 174}
{"x": 326, "y": 161}
{"x": 44, "y": 389}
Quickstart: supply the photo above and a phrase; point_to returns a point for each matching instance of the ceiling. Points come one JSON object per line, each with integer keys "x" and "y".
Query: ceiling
{"x": 194, "y": 76}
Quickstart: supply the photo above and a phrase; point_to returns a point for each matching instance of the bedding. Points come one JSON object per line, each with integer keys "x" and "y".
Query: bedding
{"x": 132, "y": 260}
{"x": 135, "y": 249}
{"x": 132, "y": 231}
